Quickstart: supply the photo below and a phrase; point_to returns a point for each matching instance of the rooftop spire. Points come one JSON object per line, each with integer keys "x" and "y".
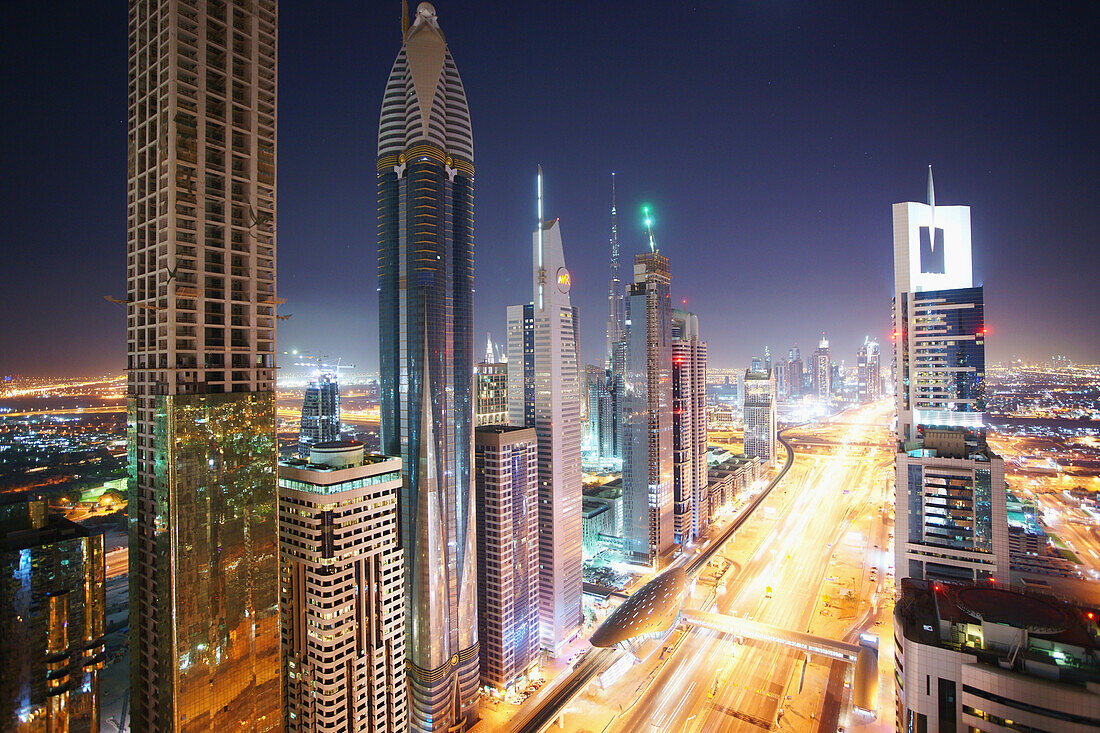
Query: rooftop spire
{"x": 542, "y": 270}
{"x": 404, "y": 20}
{"x": 931, "y": 189}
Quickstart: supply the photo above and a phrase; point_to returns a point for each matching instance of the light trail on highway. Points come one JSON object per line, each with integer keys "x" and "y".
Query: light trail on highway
{"x": 713, "y": 683}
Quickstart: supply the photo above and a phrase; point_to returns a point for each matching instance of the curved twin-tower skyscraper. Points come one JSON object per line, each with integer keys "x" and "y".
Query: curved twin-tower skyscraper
{"x": 426, "y": 275}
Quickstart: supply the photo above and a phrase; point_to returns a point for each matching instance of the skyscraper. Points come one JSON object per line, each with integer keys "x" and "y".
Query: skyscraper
{"x": 760, "y": 421}
{"x": 425, "y": 273}
{"x": 616, "y": 325}
{"x": 689, "y": 431}
{"x": 782, "y": 374}
{"x": 506, "y": 466}
{"x": 204, "y": 560}
{"x": 320, "y": 421}
{"x": 616, "y": 311}
{"x": 868, "y": 377}
{"x": 491, "y": 393}
{"x": 51, "y": 620}
{"x": 343, "y": 612}
{"x": 822, "y": 371}
{"x": 798, "y": 379}
{"x": 600, "y": 439}
{"x": 646, "y": 412}
{"x": 544, "y": 392}
{"x": 951, "y": 507}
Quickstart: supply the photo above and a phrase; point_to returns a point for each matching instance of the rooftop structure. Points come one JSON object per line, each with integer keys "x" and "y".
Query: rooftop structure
{"x": 977, "y": 656}
{"x": 652, "y": 609}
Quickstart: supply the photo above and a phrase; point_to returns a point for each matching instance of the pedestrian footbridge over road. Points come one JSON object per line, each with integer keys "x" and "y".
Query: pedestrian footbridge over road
{"x": 657, "y": 607}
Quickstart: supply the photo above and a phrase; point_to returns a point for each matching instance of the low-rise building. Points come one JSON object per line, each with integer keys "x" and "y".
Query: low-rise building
{"x": 993, "y": 658}
{"x": 602, "y": 517}
{"x": 728, "y": 479}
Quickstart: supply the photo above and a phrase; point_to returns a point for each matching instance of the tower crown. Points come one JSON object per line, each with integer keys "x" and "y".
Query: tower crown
{"x": 425, "y": 100}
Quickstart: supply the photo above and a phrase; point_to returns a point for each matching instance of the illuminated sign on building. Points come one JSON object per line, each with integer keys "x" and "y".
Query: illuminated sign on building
{"x": 564, "y": 281}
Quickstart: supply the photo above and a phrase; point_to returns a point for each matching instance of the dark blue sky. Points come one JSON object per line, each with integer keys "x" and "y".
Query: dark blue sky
{"x": 771, "y": 137}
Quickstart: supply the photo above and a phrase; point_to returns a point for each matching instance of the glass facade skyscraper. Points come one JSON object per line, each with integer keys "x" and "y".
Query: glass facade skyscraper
{"x": 200, "y": 316}
{"x": 951, "y": 513}
{"x": 646, "y": 412}
{"x": 941, "y": 358}
{"x": 425, "y": 273}
{"x": 320, "y": 413}
{"x": 52, "y": 605}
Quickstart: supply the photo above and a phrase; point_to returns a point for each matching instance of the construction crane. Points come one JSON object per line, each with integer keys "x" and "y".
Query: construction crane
{"x": 319, "y": 361}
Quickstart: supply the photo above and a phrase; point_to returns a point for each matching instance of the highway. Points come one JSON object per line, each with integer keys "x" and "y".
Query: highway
{"x": 594, "y": 661}
{"x": 712, "y": 683}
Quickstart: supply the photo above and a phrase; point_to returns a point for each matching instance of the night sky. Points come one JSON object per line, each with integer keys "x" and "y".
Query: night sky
{"x": 770, "y": 136}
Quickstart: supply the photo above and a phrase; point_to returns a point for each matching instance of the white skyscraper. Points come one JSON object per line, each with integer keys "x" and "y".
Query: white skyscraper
{"x": 544, "y": 392}
{"x": 951, "y": 516}
{"x": 760, "y": 420}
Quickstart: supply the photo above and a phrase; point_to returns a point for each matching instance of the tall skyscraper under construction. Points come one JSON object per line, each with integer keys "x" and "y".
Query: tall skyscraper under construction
{"x": 425, "y": 274}
{"x": 320, "y": 421}
{"x": 200, "y": 316}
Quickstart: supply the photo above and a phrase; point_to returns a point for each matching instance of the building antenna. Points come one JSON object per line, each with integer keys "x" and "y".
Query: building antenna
{"x": 649, "y": 228}
{"x": 932, "y": 215}
{"x": 542, "y": 270}
{"x": 404, "y": 20}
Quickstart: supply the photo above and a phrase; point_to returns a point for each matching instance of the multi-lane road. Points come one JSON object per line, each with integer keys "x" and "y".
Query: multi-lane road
{"x": 780, "y": 560}
{"x": 714, "y": 683}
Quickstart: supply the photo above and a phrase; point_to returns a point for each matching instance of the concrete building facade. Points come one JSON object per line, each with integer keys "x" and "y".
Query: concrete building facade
{"x": 689, "y": 429}
{"x": 343, "y": 592}
{"x": 760, "y": 416}
{"x": 506, "y": 466}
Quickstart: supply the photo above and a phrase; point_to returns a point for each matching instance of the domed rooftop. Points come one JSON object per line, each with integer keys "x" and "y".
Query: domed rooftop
{"x": 1004, "y": 606}
{"x": 652, "y": 608}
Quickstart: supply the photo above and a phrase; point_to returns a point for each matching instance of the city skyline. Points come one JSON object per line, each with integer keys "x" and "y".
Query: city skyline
{"x": 463, "y": 546}
{"x": 786, "y": 195}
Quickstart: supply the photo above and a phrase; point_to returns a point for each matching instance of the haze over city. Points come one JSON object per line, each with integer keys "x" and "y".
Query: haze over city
{"x": 770, "y": 138}
{"x": 788, "y": 417}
